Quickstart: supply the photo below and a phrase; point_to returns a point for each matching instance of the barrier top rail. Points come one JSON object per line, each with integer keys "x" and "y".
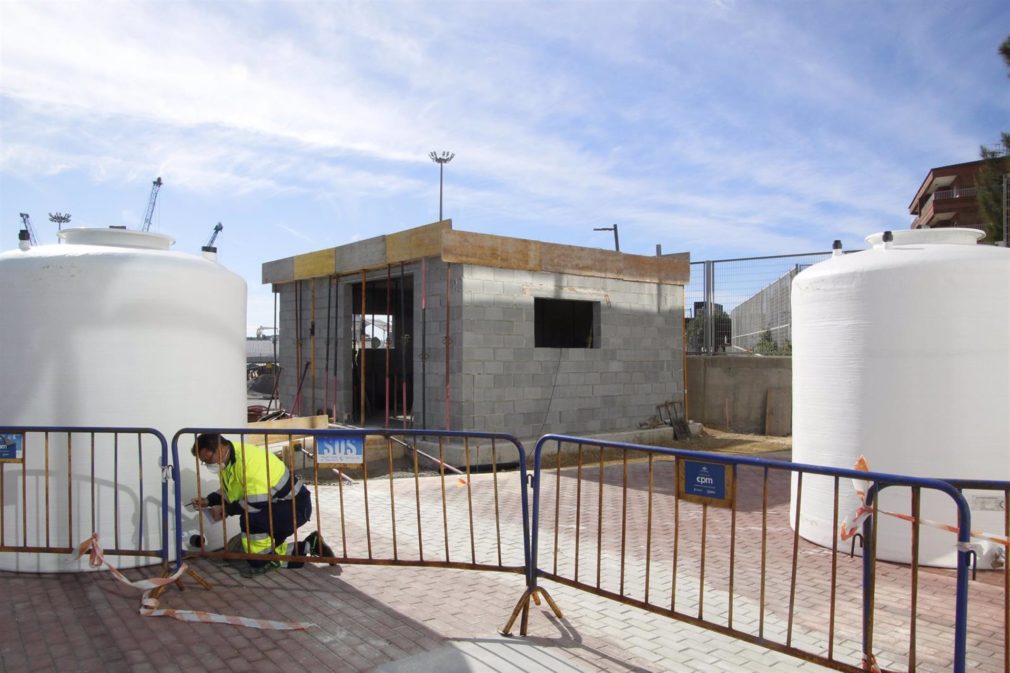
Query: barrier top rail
{"x": 83, "y": 429}
{"x": 877, "y": 480}
{"x": 356, "y": 432}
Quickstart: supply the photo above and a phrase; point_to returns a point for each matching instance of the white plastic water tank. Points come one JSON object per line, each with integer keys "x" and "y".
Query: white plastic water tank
{"x": 112, "y": 328}
{"x": 901, "y": 353}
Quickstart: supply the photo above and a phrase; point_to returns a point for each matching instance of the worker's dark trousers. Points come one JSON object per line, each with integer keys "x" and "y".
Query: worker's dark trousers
{"x": 284, "y": 525}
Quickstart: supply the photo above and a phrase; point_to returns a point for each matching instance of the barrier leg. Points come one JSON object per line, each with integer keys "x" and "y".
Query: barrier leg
{"x": 523, "y": 608}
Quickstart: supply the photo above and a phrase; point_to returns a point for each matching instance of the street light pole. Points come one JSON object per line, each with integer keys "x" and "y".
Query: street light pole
{"x": 617, "y": 242}
{"x": 440, "y": 159}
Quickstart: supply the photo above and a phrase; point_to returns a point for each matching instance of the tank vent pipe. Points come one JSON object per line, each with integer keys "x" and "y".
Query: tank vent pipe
{"x": 209, "y": 252}
{"x": 836, "y": 248}
{"x": 24, "y": 240}
{"x": 888, "y": 237}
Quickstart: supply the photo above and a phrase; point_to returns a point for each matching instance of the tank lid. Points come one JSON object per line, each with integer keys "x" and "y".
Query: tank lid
{"x": 948, "y": 235}
{"x": 120, "y": 238}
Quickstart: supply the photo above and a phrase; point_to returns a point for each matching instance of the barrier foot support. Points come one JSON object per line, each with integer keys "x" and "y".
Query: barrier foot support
{"x": 550, "y": 601}
{"x": 523, "y": 607}
{"x": 522, "y": 610}
{"x": 197, "y": 577}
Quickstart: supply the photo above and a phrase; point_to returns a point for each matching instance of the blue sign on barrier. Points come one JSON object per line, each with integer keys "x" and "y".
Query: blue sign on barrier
{"x": 704, "y": 482}
{"x": 11, "y": 448}
{"x": 342, "y": 450}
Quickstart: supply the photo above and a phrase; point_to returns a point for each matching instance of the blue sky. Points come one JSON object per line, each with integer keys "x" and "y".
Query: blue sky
{"x": 720, "y": 128}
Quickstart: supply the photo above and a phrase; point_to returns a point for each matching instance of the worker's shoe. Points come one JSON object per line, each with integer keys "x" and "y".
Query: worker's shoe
{"x": 316, "y": 547}
{"x": 256, "y": 571}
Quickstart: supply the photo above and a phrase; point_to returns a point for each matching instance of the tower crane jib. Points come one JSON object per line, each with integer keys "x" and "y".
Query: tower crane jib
{"x": 155, "y": 186}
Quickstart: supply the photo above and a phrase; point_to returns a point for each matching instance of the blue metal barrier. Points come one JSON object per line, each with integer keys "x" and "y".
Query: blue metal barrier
{"x": 19, "y": 448}
{"x": 412, "y": 442}
{"x": 735, "y": 462}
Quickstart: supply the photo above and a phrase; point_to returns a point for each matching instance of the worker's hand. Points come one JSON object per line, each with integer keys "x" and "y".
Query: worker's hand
{"x": 199, "y": 503}
{"x": 217, "y": 512}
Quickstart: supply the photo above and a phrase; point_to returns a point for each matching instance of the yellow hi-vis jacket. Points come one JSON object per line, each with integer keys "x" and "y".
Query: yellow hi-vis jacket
{"x": 249, "y": 482}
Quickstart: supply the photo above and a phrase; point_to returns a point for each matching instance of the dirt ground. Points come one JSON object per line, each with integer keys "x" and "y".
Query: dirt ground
{"x": 719, "y": 441}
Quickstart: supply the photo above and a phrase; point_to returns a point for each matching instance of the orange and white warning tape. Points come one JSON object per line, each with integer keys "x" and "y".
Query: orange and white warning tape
{"x": 862, "y": 512}
{"x": 151, "y": 606}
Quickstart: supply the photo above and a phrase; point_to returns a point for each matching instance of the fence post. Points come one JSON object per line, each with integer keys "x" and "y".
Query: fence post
{"x": 709, "y": 330}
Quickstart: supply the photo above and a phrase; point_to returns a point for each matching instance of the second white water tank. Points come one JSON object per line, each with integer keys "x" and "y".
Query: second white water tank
{"x": 112, "y": 328}
{"x": 901, "y": 353}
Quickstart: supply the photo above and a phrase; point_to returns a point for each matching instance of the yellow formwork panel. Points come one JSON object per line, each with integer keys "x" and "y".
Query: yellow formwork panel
{"x": 425, "y": 241}
{"x": 315, "y": 264}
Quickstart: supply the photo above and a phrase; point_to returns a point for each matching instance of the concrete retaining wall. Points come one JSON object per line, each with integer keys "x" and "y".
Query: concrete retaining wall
{"x": 740, "y": 393}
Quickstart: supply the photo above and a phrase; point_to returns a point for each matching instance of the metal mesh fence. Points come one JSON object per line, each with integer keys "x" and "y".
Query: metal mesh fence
{"x": 742, "y": 306}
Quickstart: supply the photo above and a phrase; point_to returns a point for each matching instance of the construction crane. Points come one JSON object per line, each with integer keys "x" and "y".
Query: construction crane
{"x": 213, "y": 237}
{"x": 155, "y": 186}
{"x": 263, "y": 328}
{"x": 28, "y": 227}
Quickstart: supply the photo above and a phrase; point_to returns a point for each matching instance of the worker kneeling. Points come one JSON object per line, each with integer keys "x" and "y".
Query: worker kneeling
{"x": 270, "y": 500}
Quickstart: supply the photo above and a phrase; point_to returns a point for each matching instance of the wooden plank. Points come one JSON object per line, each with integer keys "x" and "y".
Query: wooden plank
{"x": 581, "y": 261}
{"x": 779, "y": 412}
{"x": 315, "y": 264}
{"x": 502, "y": 252}
{"x": 411, "y": 244}
{"x": 289, "y": 425}
{"x": 465, "y": 247}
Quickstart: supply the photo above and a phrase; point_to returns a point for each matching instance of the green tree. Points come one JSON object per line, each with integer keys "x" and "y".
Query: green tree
{"x": 766, "y": 344}
{"x": 990, "y": 178}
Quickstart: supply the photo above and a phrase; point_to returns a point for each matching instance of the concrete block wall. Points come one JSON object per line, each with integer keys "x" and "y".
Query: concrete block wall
{"x": 509, "y": 385}
{"x": 498, "y": 380}
{"x": 429, "y": 374}
{"x": 318, "y": 387}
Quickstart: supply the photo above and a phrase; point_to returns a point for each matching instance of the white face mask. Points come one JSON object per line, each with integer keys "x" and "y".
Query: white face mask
{"x": 213, "y": 468}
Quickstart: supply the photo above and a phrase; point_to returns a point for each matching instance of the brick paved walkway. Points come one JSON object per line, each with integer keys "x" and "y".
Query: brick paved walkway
{"x": 395, "y": 619}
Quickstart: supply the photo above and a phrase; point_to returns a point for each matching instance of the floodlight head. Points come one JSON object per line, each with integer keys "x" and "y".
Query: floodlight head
{"x": 443, "y": 158}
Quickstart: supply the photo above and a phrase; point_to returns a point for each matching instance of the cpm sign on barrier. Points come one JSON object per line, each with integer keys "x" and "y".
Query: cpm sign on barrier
{"x": 705, "y": 483}
{"x": 344, "y": 450}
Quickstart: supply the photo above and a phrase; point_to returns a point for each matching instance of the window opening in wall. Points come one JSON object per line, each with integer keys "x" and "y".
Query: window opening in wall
{"x": 566, "y": 323}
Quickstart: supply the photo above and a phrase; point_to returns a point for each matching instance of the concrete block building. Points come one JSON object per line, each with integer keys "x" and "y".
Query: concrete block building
{"x": 446, "y": 329}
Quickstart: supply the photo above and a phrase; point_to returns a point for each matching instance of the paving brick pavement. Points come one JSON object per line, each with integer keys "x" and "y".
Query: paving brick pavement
{"x": 395, "y": 619}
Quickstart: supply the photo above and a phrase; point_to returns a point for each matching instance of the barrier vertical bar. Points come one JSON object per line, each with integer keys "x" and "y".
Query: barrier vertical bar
{"x": 676, "y": 541}
{"x": 497, "y": 516}
{"x": 624, "y": 515}
{"x": 764, "y": 551}
{"x": 389, "y": 455}
{"x": 364, "y": 462}
{"x": 701, "y": 563}
{"x": 47, "y": 493}
{"x": 732, "y": 551}
{"x": 445, "y": 515}
{"x": 599, "y": 521}
{"x": 469, "y": 499}
{"x": 648, "y": 532}
{"x": 578, "y": 511}
{"x": 834, "y": 572}
{"x": 915, "y": 579}
{"x": 795, "y": 560}
{"x": 417, "y": 500}
{"x": 557, "y": 503}
{"x": 70, "y": 492}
